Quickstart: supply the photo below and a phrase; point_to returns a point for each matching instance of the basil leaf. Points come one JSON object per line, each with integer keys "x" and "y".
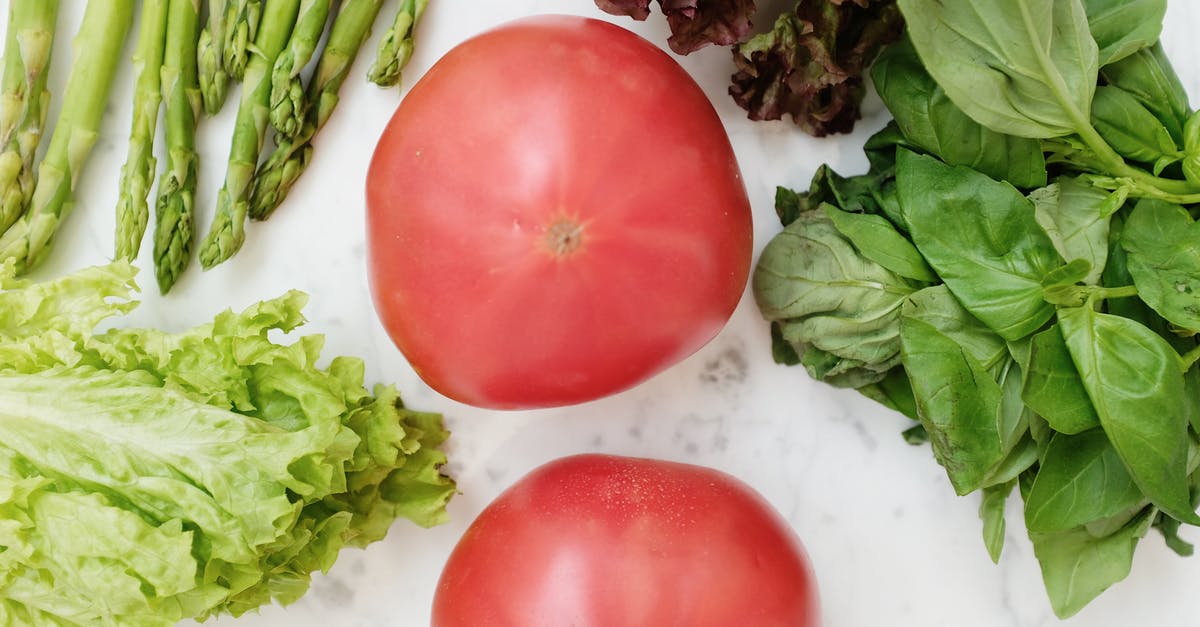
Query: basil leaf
{"x": 1076, "y": 216}
{"x": 1052, "y": 386}
{"x": 837, "y": 371}
{"x": 1122, "y": 27}
{"x": 1011, "y": 417}
{"x": 1116, "y": 273}
{"x": 1077, "y": 565}
{"x": 933, "y": 123}
{"x": 787, "y": 205}
{"x": 1020, "y": 459}
{"x": 894, "y": 392}
{"x": 855, "y": 194}
{"x": 1040, "y": 431}
{"x": 936, "y": 306}
{"x": 881, "y": 148}
{"x": 1022, "y": 67}
{"x": 915, "y": 435}
{"x": 981, "y": 237}
{"x": 837, "y": 308}
{"x": 1148, "y": 76}
{"x": 1169, "y": 528}
{"x": 957, "y": 402}
{"x": 1081, "y": 479}
{"x": 877, "y": 240}
{"x": 1134, "y": 308}
{"x": 782, "y": 351}
{"x": 991, "y": 512}
{"x": 1130, "y": 128}
{"x": 1163, "y": 247}
{"x": 1061, "y": 286}
{"x": 1136, "y": 385}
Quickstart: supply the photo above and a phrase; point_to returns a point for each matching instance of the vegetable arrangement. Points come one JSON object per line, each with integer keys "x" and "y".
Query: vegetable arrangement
{"x": 1016, "y": 272}
{"x": 183, "y": 68}
{"x": 148, "y": 477}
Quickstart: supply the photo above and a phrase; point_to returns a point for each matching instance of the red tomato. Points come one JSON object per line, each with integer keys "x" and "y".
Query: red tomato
{"x": 555, "y": 214}
{"x": 603, "y": 541}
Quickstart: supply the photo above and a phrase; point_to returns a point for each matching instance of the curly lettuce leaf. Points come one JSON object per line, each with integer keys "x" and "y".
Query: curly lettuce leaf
{"x": 147, "y": 477}
{"x": 694, "y": 23}
{"x": 810, "y": 65}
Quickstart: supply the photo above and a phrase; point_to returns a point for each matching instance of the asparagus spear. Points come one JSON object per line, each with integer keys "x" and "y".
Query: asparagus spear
{"x": 242, "y": 20}
{"x": 177, "y": 187}
{"x": 138, "y": 172}
{"x": 288, "y": 103}
{"x": 227, "y": 233}
{"x": 210, "y": 58}
{"x": 287, "y": 162}
{"x": 97, "y": 51}
{"x": 24, "y": 100}
{"x": 397, "y": 44}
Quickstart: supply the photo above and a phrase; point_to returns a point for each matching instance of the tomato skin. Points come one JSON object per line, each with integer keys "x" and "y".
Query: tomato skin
{"x": 545, "y": 131}
{"x": 606, "y": 541}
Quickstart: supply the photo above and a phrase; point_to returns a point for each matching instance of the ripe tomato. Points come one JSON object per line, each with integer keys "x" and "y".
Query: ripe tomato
{"x": 603, "y": 541}
{"x": 555, "y": 214}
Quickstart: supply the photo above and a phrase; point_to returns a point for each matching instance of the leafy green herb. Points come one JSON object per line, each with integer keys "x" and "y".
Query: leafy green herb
{"x": 1078, "y": 565}
{"x": 1131, "y": 129}
{"x": 933, "y": 123}
{"x": 1076, "y": 217}
{"x": 1136, "y": 385}
{"x": 1164, "y": 260}
{"x": 938, "y": 307}
{"x": 1122, "y": 27}
{"x": 1044, "y": 164}
{"x": 991, "y": 512}
{"x": 1041, "y": 58}
{"x": 838, "y": 309}
{"x": 1081, "y": 480}
{"x": 958, "y": 403}
{"x": 880, "y": 242}
{"x": 1147, "y": 75}
{"x": 981, "y": 237}
{"x": 1053, "y": 388}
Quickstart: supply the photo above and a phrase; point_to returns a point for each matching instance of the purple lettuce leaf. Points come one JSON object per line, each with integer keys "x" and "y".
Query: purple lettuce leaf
{"x": 694, "y": 23}
{"x": 810, "y": 65}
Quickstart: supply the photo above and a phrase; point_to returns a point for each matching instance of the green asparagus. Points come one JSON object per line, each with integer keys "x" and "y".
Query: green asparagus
{"x": 138, "y": 172}
{"x": 242, "y": 20}
{"x": 98, "y": 49}
{"x": 177, "y": 187}
{"x": 227, "y": 233}
{"x": 291, "y": 156}
{"x": 397, "y": 44}
{"x": 288, "y": 102}
{"x": 24, "y": 100}
{"x": 210, "y": 58}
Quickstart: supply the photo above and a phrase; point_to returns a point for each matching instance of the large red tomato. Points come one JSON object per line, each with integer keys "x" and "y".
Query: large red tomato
{"x": 554, "y": 214}
{"x": 603, "y": 541}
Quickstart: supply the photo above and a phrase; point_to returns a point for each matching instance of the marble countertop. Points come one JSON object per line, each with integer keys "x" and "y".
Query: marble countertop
{"x": 890, "y": 542}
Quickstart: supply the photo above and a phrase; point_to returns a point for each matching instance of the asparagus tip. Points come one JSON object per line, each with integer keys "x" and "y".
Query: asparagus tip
{"x": 227, "y": 234}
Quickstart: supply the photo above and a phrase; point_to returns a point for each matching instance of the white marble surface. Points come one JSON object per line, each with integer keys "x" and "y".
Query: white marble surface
{"x": 891, "y": 544}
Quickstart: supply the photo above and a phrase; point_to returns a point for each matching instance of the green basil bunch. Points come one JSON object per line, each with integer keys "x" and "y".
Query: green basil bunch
{"x": 1019, "y": 272}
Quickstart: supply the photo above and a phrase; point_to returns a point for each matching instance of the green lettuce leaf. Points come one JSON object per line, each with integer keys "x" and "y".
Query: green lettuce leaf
{"x": 148, "y": 477}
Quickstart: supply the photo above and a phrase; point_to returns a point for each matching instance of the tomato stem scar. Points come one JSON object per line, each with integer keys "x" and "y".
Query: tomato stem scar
{"x": 564, "y": 236}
